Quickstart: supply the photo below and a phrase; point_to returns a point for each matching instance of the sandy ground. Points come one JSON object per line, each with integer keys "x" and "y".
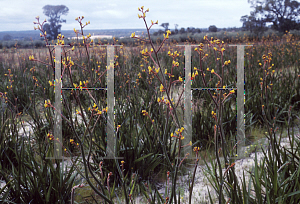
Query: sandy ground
{"x": 201, "y": 185}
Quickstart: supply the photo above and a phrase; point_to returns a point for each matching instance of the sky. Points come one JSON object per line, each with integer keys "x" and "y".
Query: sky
{"x": 18, "y": 15}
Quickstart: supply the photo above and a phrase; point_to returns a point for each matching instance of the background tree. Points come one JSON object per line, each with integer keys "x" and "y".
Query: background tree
{"x": 165, "y": 25}
{"x": 212, "y": 28}
{"x": 7, "y": 37}
{"x": 26, "y": 39}
{"x": 190, "y": 30}
{"x": 282, "y": 13}
{"x": 160, "y": 32}
{"x": 54, "y": 12}
{"x": 197, "y": 30}
{"x": 182, "y": 30}
{"x": 176, "y": 30}
{"x": 253, "y": 24}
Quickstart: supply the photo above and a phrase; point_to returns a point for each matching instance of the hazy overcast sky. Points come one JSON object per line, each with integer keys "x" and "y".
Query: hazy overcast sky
{"x": 16, "y": 15}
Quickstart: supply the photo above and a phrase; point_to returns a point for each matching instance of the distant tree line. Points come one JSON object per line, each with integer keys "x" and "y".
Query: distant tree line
{"x": 180, "y": 31}
{"x": 193, "y": 30}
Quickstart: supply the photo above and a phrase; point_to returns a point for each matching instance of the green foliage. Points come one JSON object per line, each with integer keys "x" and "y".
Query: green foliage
{"x": 32, "y": 181}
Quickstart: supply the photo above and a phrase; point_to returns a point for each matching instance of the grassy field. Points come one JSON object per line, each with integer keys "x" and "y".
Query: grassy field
{"x": 148, "y": 123}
